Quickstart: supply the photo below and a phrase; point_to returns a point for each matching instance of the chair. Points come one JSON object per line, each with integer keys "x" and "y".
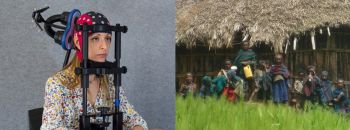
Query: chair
{"x": 35, "y": 116}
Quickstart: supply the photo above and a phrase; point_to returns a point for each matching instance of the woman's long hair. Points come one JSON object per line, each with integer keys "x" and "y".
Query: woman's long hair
{"x": 70, "y": 80}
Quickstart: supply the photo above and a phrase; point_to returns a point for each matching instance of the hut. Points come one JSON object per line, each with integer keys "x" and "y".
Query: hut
{"x": 308, "y": 32}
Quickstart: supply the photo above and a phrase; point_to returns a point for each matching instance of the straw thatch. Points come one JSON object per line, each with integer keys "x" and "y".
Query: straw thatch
{"x": 216, "y": 22}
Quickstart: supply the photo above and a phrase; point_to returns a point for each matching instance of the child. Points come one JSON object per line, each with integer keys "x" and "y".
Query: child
{"x": 340, "y": 100}
{"x": 262, "y": 81}
{"x": 189, "y": 86}
{"x": 311, "y": 83}
{"x": 296, "y": 93}
{"x": 205, "y": 89}
{"x": 235, "y": 85}
{"x": 325, "y": 89}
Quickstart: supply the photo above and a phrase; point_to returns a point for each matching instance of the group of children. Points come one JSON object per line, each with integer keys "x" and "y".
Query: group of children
{"x": 319, "y": 90}
{"x": 248, "y": 80}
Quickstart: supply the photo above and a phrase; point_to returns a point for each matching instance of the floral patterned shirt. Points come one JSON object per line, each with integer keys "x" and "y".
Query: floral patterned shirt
{"x": 62, "y": 106}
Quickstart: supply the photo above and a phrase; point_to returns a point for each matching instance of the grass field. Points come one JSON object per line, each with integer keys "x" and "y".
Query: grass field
{"x": 213, "y": 114}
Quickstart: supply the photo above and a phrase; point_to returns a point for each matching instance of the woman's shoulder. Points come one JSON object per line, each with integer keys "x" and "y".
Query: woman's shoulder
{"x": 53, "y": 79}
{"x": 57, "y": 80}
{"x": 57, "y": 77}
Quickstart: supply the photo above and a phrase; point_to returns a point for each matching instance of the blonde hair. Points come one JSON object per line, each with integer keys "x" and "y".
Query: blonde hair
{"x": 70, "y": 80}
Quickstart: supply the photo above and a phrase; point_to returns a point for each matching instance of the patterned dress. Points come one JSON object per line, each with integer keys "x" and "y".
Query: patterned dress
{"x": 62, "y": 106}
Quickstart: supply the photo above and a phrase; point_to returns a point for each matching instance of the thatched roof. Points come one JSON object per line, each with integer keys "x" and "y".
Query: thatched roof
{"x": 215, "y": 22}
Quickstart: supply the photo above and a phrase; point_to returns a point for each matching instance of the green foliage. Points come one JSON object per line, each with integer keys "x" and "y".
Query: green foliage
{"x": 213, "y": 114}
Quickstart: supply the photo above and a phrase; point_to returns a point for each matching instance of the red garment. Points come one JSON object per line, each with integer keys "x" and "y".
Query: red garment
{"x": 310, "y": 85}
{"x": 280, "y": 70}
{"x": 225, "y": 91}
{"x": 230, "y": 94}
{"x": 307, "y": 91}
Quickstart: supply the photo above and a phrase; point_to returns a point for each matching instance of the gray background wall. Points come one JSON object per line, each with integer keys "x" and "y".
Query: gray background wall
{"x": 29, "y": 57}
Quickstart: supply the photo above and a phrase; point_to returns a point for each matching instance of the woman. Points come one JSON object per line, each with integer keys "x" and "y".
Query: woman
{"x": 63, "y": 93}
{"x": 279, "y": 75}
{"x": 246, "y": 57}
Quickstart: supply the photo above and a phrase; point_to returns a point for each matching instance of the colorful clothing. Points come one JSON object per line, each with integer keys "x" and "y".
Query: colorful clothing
{"x": 63, "y": 106}
{"x": 326, "y": 91}
{"x": 280, "y": 91}
{"x": 310, "y": 88}
{"x": 296, "y": 94}
{"x": 248, "y": 55}
{"x": 220, "y": 83}
{"x": 185, "y": 89}
{"x": 263, "y": 82}
{"x": 342, "y": 105}
{"x": 236, "y": 83}
{"x": 206, "y": 86}
{"x": 280, "y": 75}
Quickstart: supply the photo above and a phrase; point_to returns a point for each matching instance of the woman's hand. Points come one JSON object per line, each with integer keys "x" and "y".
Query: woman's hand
{"x": 137, "y": 128}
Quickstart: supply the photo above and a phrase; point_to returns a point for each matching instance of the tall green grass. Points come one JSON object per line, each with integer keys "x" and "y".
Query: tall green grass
{"x": 213, "y": 114}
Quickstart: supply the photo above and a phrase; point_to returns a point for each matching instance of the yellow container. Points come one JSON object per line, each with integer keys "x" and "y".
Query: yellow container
{"x": 248, "y": 71}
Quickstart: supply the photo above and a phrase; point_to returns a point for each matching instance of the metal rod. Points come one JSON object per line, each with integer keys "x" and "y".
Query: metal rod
{"x": 85, "y": 77}
{"x": 117, "y": 79}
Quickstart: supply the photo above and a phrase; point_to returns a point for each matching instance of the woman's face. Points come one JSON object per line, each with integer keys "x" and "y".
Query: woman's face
{"x": 99, "y": 44}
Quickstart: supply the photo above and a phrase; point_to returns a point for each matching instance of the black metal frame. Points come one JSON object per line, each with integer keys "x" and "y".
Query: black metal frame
{"x": 88, "y": 68}
{"x": 49, "y": 25}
